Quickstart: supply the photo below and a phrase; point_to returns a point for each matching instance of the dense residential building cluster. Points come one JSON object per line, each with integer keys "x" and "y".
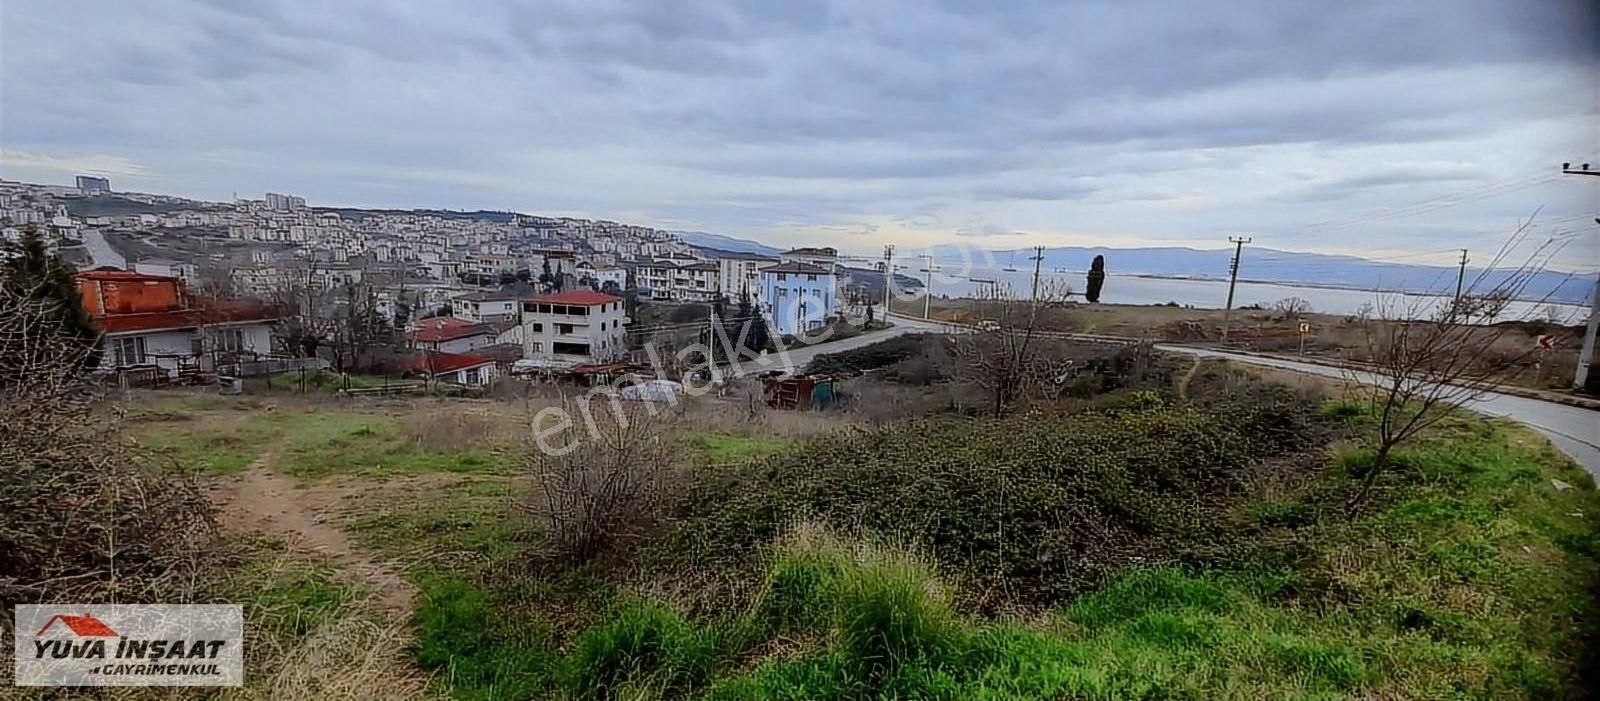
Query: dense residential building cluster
{"x": 547, "y": 291}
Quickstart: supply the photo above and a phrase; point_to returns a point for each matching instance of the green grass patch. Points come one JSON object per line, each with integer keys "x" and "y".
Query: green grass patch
{"x": 220, "y": 436}
{"x": 725, "y": 447}
{"x": 477, "y": 651}
{"x": 470, "y": 516}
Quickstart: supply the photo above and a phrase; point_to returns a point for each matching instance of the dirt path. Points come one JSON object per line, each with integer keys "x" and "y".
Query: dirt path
{"x": 260, "y": 500}
{"x": 1183, "y": 384}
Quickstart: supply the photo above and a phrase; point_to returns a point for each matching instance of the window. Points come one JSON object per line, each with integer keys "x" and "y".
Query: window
{"x": 782, "y": 277}
{"x": 538, "y": 327}
{"x": 536, "y": 347}
{"x": 130, "y": 351}
{"x": 563, "y": 328}
{"x": 228, "y": 340}
{"x": 811, "y": 278}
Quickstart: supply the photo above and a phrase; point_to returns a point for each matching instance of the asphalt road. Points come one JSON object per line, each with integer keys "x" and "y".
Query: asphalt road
{"x": 799, "y": 356}
{"x": 1574, "y": 430}
{"x": 100, "y": 251}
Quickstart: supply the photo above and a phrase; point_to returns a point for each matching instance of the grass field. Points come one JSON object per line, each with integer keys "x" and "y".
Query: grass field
{"x": 1471, "y": 578}
{"x": 313, "y": 439}
{"x": 1471, "y": 575}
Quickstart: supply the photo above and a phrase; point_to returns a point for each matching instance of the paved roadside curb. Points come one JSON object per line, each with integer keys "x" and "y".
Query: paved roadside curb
{"x": 1513, "y": 390}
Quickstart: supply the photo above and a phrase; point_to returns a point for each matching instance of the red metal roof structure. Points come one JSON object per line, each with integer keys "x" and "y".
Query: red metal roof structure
{"x": 447, "y": 328}
{"x": 214, "y": 313}
{"x": 586, "y": 298}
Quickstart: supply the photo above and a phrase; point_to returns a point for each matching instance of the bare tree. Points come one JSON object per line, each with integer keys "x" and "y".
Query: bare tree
{"x": 1483, "y": 307}
{"x": 1291, "y": 307}
{"x": 1424, "y": 364}
{"x": 1002, "y": 356}
{"x": 601, "y": 482}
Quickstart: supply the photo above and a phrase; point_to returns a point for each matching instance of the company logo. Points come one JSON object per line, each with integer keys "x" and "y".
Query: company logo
{"x": 129, "y": 645}
{"x": 85, "y": 626}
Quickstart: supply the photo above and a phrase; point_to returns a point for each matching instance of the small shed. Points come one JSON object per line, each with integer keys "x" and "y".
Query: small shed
{"x": 798, "y": 391}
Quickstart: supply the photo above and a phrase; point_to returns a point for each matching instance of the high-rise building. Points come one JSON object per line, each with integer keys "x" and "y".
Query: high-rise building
{"x": 285, "y": 203}
{"x": 92, "y": 185}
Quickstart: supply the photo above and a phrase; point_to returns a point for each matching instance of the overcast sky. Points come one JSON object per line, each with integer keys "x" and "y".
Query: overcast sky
{"x": 1379, "y": 128}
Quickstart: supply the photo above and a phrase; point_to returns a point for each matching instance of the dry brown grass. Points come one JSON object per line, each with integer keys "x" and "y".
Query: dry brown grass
{"x": 459, "y": 425}
{"x": 350, "y": 658}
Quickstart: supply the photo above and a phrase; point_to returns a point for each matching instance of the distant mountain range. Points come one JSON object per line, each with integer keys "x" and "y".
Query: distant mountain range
{"x": 1270, "y": 265}
{"x": 701, "y": 239}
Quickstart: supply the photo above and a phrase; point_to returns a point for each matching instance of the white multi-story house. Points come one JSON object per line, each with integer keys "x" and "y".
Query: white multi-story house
{"x": 602, "y": 276}
{"x": 572, "y": 328}
{"x": 696, "y": 282}
{"x": 485, "y": 306}
{"x": 654, "y": 279}
{"x": 798, "y": 296}
{"x": 741, "y": 278}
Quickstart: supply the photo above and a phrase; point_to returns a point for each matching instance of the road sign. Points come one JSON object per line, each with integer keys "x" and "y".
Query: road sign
{"x": 1305, "y": 327}
{"x": 1547, "y": 341}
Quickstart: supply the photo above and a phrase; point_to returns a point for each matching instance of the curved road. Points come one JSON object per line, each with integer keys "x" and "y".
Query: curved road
{"x": 1574, "y": 430}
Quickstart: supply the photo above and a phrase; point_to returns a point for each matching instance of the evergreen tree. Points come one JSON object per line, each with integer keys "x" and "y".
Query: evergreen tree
{"x": 1097, "y": 279}
{"x": 33, "y": 272}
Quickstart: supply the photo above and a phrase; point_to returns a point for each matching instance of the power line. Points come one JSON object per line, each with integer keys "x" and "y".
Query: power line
{"x": 1432, "y": 205}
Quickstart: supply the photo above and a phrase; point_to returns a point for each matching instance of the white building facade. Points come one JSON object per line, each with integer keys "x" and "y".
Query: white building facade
{"x": 571, "y": 328}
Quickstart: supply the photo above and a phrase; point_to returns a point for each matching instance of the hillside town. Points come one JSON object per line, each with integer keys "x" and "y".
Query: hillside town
{"x": 260, "y": 286}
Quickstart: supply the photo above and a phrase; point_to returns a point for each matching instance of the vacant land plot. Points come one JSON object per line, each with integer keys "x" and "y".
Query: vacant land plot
{"x": 1142, "y": 543}
{"x": 1333, "y": 337}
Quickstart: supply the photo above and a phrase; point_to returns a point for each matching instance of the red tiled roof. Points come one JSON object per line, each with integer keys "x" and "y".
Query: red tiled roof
{"x": 447, "y": 328}
{"x": 587, "y": 298}
{"x": 438, "y": 363}
{"x": 215, "y": 313}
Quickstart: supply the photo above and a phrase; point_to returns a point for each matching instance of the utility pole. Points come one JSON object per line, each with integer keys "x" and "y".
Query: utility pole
{"x": 1233, "y": 278}
{"x": 1580, "y": 380}
{"x": 927, "y": 290}
{"x": 1038, "y": 257}
{"x": 1461, "y": 276}
{"x": 1586, "y": 356}
{"x": 888, "y": 277}
{"x": 1033, "y": 312}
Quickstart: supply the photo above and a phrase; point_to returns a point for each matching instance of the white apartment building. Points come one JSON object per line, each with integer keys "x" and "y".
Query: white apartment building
{"x": 599, "y": 277}
{"x": 485, "y": 306}
{"x": 696, "y": 282}
{"x": 742, "y": 276}
{"x": 572, "y": 328}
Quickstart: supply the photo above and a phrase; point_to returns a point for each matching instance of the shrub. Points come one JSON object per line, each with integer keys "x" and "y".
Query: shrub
{"x": 601, "y": 487}
{"x": 1028, "y": 508}
{"x": 83, "y": 516}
